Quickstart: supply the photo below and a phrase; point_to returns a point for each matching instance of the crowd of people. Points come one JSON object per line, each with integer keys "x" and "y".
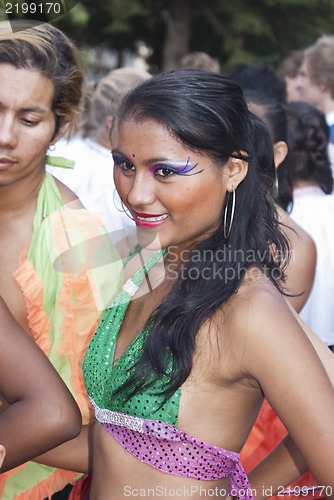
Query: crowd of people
{"x": 167, "y": 263}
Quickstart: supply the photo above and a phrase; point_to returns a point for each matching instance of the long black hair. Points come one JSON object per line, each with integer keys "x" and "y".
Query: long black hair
{"x": 309, "y": 135}
{"x": 273, "y": 114}
{"x": 208, "y": 113}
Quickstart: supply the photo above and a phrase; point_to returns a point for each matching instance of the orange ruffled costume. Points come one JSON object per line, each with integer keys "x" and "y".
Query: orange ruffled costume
{"x": 268, "y": 431}
{"x": 69, "y": 276}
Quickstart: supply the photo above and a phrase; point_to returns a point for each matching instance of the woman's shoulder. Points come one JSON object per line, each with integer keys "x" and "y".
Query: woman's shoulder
{"x": 258, "y": 325}
{"x": 254, "y": 307}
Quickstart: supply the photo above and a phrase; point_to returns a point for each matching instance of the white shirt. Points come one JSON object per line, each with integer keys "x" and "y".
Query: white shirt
{"x": 330, "y": 123}
{"x": 313, "y": 210}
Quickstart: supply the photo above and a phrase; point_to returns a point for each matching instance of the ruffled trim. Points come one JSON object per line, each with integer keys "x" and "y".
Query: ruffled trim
{"x": 81, "y": 488}
{"x": 32, "y": 289}
{"x": 77, "y": 330}
{"x": 45, "y": 488}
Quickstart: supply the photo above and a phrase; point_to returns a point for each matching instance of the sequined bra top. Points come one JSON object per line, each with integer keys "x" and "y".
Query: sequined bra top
{"x": 142, "y": 423}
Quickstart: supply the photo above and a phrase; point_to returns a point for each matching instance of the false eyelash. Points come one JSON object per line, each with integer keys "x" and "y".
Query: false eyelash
{"x": 183, "y": 170}
{"x": 119, "y": 159}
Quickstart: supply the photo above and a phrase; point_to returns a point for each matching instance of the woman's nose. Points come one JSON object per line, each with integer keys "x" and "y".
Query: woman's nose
{"x": 142, "y": 191}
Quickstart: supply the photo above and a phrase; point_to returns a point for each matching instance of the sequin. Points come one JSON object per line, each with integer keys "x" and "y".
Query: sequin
{"x": 172, "y": 451}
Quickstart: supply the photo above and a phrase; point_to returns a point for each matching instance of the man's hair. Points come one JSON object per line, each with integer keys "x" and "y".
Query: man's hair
{"x": 47, "y": 50}
{"x": 320, "y": 61}
{"x": 289, "y": 66}
{"x": 199, "y": 60}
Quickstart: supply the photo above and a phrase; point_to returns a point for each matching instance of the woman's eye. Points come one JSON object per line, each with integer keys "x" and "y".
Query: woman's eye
{"x": 123, "y": 164}
{"x": 165, "y": 172}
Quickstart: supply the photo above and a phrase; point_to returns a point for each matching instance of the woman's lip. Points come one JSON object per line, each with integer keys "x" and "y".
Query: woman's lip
{"x": 149, "y": 220}
{"x": 149, "y": 216}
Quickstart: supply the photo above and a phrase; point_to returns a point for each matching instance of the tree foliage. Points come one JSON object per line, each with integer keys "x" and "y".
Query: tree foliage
{"x": 232, "y": 31}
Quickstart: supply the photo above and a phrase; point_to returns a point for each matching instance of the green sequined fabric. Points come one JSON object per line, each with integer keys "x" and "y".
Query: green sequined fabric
{"x": 102, "y": 379}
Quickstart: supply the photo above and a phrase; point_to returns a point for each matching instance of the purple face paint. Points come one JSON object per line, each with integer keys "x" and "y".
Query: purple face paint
{"x": 174, "y": 167}
{"x": 159, "y": 169}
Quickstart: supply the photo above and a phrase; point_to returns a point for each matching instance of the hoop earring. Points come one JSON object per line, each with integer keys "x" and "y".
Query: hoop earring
{"x": 275, "y": 187}
{"x": 52, "y": 147}
{"x": 123, "y": 209}
{"x": 228, "y": 232}
{"x": 115, "y": 201}
{"x": 127, "y": 211}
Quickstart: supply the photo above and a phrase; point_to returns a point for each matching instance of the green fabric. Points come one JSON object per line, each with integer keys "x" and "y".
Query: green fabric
{"x": 80, "y": 321}
{"x": 102, "y": 379}
{"x": 59, "y": 161}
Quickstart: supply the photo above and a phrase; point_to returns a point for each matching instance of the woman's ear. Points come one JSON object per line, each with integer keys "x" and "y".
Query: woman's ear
{"x": 236, "y": 171}
{"x": 280, "y": 152}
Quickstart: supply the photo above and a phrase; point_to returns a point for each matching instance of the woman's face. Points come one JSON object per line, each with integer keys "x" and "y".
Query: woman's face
{"x": 175, "y": 195}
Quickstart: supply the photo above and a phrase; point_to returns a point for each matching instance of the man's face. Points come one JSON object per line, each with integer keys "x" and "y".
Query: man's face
{"x": 27, "y": 123}
{"x": 308, "y": 90}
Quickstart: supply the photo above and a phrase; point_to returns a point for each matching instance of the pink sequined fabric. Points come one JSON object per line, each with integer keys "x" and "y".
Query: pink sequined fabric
{"x": 175, "y": 452}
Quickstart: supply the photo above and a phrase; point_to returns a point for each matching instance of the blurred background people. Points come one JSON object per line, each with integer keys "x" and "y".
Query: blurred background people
{"x": 288, "y": 70}
{"x": 315, "y": 81}
{"x": 199, "y": 60}
{"x": 260, "y": 77}
{"x": 301, "y": 266}
{"x": 311, "y": 180}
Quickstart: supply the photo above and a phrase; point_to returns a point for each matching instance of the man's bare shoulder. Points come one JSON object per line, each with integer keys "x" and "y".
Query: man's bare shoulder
{"x": 68, "y": 196}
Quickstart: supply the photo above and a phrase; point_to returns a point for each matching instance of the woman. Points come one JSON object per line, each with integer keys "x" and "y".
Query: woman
{"x": 178, "y": 367}
{"x": 311, "y": 180}
{"x": 41, "y": 412}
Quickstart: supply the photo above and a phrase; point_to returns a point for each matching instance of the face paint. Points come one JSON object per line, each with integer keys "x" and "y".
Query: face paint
{"x": 160, "y": 188}
{"x": 171, "y": 168}
{"x": 163, "y": 169}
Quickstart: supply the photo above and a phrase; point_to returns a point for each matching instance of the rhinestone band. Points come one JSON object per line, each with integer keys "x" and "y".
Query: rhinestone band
{"x": 130, "y": 288}
{"x": 117, "y": 418}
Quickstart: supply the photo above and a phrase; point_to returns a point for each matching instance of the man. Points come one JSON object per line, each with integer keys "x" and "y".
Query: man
{"x": 315, "y": 81}
{"x": 52, "y": 293}
{"x": 288, "y": 70}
